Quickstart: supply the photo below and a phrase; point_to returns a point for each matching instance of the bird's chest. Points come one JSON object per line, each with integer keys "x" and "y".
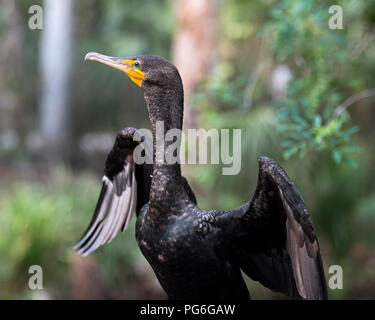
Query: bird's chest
{"x": 168, "y": 242}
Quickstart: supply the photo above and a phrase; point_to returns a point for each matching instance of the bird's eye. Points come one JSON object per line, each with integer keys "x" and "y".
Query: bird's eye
{"x": 137, "y": 64}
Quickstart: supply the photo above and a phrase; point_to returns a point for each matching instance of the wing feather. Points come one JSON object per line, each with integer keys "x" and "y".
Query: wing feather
{"x": 115, "y": 209}
{"x": 274, "y": 241}
{"x": 118, "y": 199}
{"x": 288, "y": 239}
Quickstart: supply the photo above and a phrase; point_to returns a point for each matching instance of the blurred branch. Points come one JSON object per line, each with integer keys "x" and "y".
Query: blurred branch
{"x": 351, "y": 100}
{"x": 365, "y": 42}
{"x": 249, "y": 91}
{"x": 247, "y": 101}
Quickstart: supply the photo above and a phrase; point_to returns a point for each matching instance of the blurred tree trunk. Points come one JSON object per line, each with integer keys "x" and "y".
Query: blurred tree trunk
{"x": 55, "y": 67}
{"x": 194, "y": 46}
{"x": 11, "y": 69}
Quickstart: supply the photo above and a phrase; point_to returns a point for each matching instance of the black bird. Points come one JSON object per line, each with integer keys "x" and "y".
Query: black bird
{"x": 198, "y": 253}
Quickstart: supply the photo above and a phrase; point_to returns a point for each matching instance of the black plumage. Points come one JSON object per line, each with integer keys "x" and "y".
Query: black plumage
{"x": 199, "y": 253}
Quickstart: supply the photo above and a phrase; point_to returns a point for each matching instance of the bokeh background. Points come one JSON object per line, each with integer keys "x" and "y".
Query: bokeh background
{"x": 301, "y": 93}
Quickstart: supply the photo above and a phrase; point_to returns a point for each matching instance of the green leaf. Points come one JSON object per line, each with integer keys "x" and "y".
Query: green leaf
{"x": 337, "y": 156}
{"x": 290, "y": 152}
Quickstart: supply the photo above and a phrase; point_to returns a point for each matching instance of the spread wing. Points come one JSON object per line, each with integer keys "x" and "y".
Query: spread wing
{"x": 275, "y": 242}
{"x": 125, "y": 189}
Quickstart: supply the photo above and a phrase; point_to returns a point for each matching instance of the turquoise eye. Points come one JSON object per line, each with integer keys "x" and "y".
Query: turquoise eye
{"x": 137, "y": 64}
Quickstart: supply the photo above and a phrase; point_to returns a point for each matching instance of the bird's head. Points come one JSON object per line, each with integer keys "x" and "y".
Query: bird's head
{"x": 143, "y": 70}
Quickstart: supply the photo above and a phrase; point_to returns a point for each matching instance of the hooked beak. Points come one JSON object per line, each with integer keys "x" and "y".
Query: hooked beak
{"x": 123, "y": 64}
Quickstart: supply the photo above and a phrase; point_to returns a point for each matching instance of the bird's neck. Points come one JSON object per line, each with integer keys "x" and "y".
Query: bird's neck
{"x": 165, "y": 108}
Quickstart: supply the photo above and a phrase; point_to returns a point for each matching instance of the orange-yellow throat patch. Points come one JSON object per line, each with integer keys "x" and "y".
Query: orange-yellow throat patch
{"x": 135, "y": 74}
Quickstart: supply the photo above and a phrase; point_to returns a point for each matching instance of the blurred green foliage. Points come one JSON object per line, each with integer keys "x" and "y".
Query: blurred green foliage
{"x": 331, "y": 159}
{"x": 40, "y": 223}
{"x": 324, "y": 74}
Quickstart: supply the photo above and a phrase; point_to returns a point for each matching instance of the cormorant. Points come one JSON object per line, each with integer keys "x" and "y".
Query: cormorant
{"x": 196, "y": 253}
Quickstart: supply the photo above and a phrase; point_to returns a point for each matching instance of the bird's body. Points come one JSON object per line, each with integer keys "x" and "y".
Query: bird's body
{"x": 196, "y": 253}
{"x": 187, "y": 263}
